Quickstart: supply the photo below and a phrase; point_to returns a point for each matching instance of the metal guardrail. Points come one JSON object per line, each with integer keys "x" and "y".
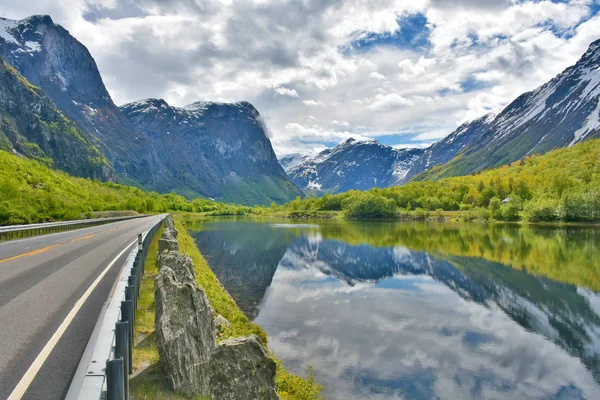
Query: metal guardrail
{"x": 11, "y": 232}
{"x": 106, "y": 364}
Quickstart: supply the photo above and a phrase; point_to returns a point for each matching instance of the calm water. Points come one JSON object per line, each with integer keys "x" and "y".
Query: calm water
{"x": 418, "y": 310}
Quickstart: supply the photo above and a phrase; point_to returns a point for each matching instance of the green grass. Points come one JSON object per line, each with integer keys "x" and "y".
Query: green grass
{"x": 261, "y": 191}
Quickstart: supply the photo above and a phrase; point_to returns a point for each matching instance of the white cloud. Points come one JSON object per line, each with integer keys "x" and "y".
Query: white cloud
{"x": 283, "y": 91}
{"x": 339, "y": 123}
{"x": 312, "y": 102}
{"x": 388, "y": 101}
{"x": 186, "y": 51}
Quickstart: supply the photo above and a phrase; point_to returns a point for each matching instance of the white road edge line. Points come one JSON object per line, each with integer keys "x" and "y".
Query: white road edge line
{"x": 35, "y": 367}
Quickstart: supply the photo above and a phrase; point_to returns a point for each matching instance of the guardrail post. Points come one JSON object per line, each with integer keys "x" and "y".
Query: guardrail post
{"x": 127, "y": 316}
{"x": 133, "y": 280}
{"x": 130, "y": 295}
{"x": 115, "y": 381}
{"x": 122, "y": 351}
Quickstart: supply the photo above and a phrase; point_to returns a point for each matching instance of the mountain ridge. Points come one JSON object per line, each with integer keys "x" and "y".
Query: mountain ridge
{"x": 352, "y": 164}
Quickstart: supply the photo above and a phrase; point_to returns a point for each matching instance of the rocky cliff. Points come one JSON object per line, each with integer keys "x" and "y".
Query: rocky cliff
{"x": 31, "y": 126}
{"x": 216, "y": 150}
{"x": 50, "y": 58}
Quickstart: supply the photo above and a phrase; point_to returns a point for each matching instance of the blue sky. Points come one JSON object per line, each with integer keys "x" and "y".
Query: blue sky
{"x": 320, "y": 71}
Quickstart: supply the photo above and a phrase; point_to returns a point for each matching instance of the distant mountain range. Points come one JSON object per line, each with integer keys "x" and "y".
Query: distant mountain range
{"x": 352, "y": 164}
{"x": 212, "y": 150}
{"x": 558, "y": 114}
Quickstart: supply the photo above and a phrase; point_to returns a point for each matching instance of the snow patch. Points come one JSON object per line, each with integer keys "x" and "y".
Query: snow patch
{"x": 5, "y": 26}
{"x": 33, "y": 46}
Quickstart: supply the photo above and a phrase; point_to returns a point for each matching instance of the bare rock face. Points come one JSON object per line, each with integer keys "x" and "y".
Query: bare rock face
{"x": 241, "y": 369}
{"x": 181, "y": 265}
{"x": 185, "y": 333}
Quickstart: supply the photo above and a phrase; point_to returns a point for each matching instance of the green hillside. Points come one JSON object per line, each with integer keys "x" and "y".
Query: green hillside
{"x": 32, "y": 125}
{"x": 31, "y": 192}
{"x": 562, "y": 185}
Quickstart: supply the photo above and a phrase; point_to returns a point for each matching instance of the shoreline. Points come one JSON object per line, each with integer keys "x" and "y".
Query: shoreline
{"x": 456, "y": 217}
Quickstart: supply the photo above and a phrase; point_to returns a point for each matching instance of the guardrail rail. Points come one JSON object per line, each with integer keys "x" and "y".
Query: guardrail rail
{"x": 11, "y": 232}
{"x": 106, "y": 364}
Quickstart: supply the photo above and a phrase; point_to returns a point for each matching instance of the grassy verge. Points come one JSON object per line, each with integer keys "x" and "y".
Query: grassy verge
{"x": 148, "y": 381}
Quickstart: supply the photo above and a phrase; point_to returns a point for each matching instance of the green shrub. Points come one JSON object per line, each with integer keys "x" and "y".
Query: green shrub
{"x": 368, "y": 205}
{"x": 542, "y": 210}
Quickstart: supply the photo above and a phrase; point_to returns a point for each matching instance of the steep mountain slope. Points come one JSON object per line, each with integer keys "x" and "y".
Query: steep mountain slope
{"x": 30, "y": 125}
{"x": 49, "y": 57}
{"x": 449, "y": 147}
{"x": 218, "y": 150}
{"x": 352, "y": 164}
{"x": 560, "y": 113}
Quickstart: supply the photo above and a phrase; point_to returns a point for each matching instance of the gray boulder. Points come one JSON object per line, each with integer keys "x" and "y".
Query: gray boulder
{"x": 221, "y": 324}
{"x": 170, "y": 232}
{"x": 169, "y": 223}
{"x": 185, "y": 333}
{"x": 167, "y": 244}
{"x": 241, "y": 369}
{"x": 180, "y": 264}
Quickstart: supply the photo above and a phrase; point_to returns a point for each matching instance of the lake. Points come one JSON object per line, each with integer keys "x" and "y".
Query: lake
{"x": 419, "y": 310}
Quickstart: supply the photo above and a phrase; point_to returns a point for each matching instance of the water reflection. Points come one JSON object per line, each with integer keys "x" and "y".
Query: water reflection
{"x": 397, "y": 321}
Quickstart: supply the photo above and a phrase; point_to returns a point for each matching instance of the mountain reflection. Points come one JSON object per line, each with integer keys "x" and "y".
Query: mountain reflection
{"x": 382, "y": 322}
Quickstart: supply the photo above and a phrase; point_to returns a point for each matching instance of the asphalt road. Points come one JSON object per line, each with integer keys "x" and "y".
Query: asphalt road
{"x": 41, "y": 279}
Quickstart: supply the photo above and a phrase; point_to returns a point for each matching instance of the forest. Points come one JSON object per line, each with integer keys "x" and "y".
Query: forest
{"x": 560, "y": 186}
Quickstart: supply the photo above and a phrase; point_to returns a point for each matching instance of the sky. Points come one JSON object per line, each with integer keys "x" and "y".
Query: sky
{"x": 406, "y": 73}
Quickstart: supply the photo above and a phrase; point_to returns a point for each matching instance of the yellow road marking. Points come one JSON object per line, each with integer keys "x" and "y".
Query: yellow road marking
{"x": 110, "y": 230}
{"x": 31, "y": 253}
{"x": 83, "y": 237}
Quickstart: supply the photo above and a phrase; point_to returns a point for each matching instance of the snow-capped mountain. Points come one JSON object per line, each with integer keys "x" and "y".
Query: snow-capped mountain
{"x": 49, "y": 57}
{"x": 217, "y": 150}
{"x": 352, "y": 164}
{"x": 560, "y": 113}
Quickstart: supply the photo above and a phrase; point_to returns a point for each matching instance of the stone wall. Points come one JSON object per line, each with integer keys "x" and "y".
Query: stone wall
{"x": 186, "y": 328}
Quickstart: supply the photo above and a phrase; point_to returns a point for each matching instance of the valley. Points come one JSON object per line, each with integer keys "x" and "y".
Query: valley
{"x": 349, "y": 201}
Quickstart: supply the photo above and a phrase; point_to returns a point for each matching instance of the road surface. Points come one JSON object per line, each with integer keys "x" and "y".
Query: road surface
{"x": 41, "y": 279}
